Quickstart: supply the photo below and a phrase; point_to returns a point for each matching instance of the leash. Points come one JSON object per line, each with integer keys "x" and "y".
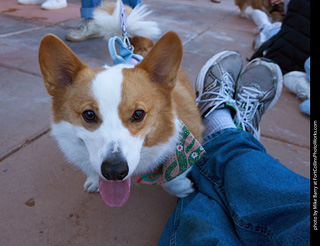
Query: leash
{"x": 126, "y": 55}
{"x": 123, "y": 23}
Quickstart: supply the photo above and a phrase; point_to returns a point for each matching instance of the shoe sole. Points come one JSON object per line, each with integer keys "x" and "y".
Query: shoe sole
{"x": 212, "y": 61}
{"x": 82, "y": 39}
{"x": 55, "y": 7}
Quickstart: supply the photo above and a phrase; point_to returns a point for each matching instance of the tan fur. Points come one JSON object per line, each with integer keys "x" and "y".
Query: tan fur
{"x": 183, "y": 95}
{"x": 110, "y": 6}
{"x": 141, "y": 45}
{"x": 262, "y": 5}
{"x": 68, "y": 81}
{"x": 162, "y": 86}
{"x": 140, "y": 93}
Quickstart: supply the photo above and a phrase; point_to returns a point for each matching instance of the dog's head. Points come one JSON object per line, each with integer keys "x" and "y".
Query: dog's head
{"x": 111, "y": 112}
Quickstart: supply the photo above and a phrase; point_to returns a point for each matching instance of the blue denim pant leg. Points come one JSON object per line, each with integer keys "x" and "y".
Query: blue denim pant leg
{"x": 243, "y": 197}
{"x": 307, "y": 67}
{"x": 131, "y": 3}
{"x": 87, "y": 7}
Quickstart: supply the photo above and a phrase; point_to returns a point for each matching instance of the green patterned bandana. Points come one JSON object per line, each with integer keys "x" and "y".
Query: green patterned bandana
{"x": 188, "y": 151}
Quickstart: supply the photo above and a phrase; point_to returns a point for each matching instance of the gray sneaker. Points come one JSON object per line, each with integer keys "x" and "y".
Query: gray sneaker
{"x": 215, "y": 85}
{"x": 86, "y": 29}
{"x": 258, "y": 89}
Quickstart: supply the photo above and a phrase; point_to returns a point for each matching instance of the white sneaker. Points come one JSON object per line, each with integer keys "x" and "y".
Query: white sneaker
{"x": 27, "y": 2}
{"x": 87, "y": 29}
{"x": 298, "y": 83}
{"x": 54, "y": 4}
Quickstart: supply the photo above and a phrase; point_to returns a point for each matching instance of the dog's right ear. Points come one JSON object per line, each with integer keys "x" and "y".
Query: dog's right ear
{"x": 58, "y": 64}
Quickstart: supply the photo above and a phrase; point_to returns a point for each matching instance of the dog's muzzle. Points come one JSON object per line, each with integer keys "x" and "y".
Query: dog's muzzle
{"x": 115, "y": 167}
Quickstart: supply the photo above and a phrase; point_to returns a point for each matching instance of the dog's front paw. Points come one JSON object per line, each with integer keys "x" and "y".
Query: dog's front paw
{"x": 244, "y": 15}
{"x": 92, "y": 184}
{"x": 181, "y": 186}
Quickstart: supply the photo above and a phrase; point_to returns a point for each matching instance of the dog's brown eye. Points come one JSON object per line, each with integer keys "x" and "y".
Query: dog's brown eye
{"x": 89, "y": 116}
{"x": 138, "y": 115}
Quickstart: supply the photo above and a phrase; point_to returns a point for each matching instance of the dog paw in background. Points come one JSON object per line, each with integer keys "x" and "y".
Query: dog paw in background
{"x": 274, "y": 9}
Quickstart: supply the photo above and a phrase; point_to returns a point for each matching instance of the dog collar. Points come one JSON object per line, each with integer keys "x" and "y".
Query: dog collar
{"x": 187, "y": 152}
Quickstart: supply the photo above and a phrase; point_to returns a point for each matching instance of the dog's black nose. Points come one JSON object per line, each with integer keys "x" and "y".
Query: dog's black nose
{"x": 114, "y": 169}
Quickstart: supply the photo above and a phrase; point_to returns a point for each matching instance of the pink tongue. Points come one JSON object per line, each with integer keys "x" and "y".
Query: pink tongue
{"x": 114, "y": 193}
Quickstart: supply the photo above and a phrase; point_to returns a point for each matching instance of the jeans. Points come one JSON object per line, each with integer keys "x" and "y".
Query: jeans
{"x": 305, "y": 105}
{"x": 243, "y": 197}
{"x": 307, "y": 67}
{"x": 87, "y": 6}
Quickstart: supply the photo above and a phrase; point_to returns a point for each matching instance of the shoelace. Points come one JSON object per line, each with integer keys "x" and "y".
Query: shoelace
{"x": 220, "y": 98}
{"x": 246, "y": 105}
{"x": 83, "y": 24}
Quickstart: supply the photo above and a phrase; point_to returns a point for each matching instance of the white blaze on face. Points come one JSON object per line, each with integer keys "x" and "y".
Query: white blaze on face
{"x": 111, "y": 136}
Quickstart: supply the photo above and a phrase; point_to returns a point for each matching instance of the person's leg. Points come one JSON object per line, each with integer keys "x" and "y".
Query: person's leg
{"x": 244, "y": 196}
{"x": 268, "y": 203}
{"x": 203, "y": 218}
{"x": 132, "y": 3}
{"x": 87, "y": 7}
{"x": 307, "y": 68}
{"x": 305, "y": 105}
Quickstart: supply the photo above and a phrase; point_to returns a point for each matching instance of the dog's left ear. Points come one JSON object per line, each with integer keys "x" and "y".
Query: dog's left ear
{"x": 163, "y": 61}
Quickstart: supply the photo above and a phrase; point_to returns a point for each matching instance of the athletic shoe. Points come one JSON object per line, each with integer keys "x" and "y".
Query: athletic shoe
{"x": 54, "y": 4}
{"x": 215, "y": 84}
{"x": 258, "y": 89}
{"x": 298, "y": 83}
{"x": 87, "y": 29}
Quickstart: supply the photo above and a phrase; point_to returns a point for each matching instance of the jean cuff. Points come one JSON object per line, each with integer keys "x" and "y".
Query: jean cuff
{"x": 86, "y": 12}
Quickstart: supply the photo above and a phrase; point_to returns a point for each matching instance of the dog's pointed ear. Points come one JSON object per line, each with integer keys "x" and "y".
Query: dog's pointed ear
{"x": 58, "y": 64}
{"x": 163, "y": 61}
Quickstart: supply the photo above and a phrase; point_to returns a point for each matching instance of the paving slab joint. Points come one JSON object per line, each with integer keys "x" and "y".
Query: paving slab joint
{"x": 23, "y": 145}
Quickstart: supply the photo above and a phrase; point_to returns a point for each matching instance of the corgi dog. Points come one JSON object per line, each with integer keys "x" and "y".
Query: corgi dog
{"x": 275, "y": 11}
{"x": 117, "y": 122}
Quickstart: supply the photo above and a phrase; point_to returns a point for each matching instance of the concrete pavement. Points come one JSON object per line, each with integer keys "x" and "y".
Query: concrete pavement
{"x": 42, "y": 199}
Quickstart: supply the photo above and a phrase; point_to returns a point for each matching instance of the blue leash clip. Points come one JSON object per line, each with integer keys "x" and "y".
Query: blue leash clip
{"x": 125, "y": 55}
